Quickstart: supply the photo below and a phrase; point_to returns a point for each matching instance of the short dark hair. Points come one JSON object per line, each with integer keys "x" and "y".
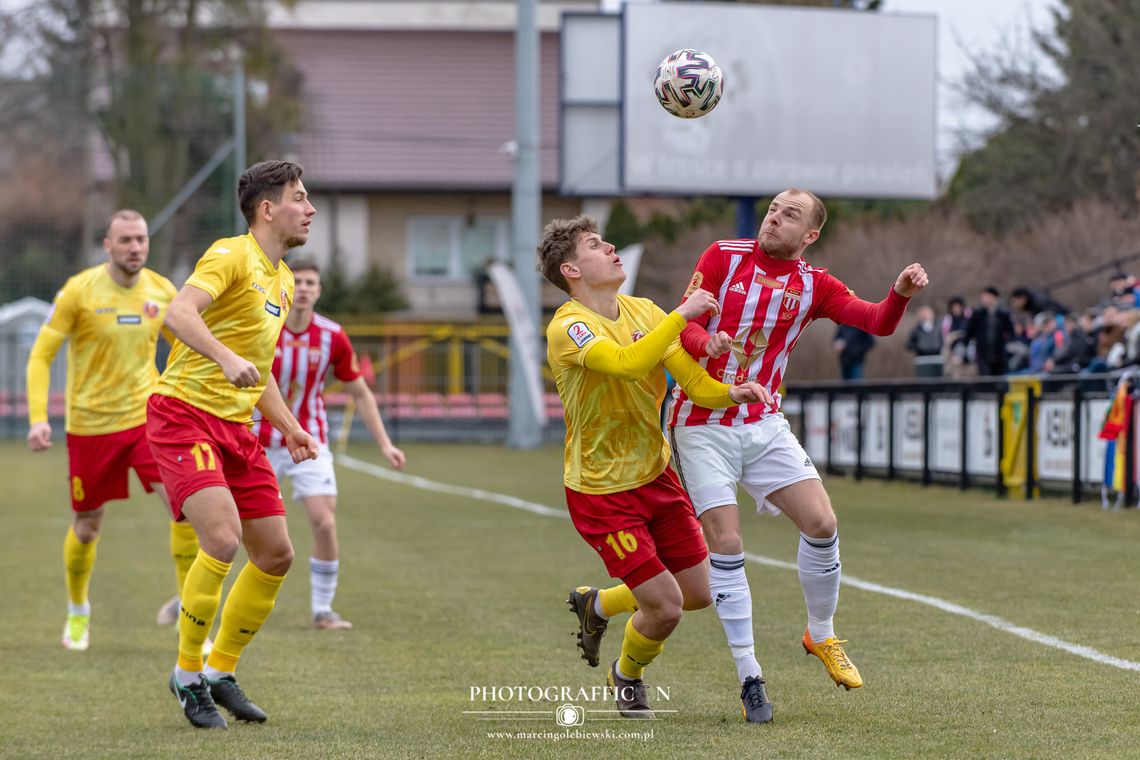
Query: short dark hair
{"x": 956, "y": 300}
{"x": 1019, "y": 293}
{"x": 305, "y": 265}
{"x": 262, "y": 181}
{"x": 126, "y": 214}
{"x": 992, "y": 291}
{"x": 559, "y": 239}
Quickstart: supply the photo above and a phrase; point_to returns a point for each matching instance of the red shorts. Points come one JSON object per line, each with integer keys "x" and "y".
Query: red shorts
{"x": 99, "y": 466}
{"x": 641, "y": 532}
{"x": 196, "y": 450}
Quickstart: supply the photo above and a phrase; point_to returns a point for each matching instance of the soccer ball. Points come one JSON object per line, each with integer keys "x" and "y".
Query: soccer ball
{"x": 688, "y": 83}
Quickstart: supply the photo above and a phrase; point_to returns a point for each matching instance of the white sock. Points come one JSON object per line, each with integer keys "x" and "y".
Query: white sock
{"x": 186, "y": 677}
{"x": 818, "y": 563}
{"x": 598, "y": 608}
{"x": 214, "y": 674}
{"x": 79, "y": 609}
{"x": 322, "y": 581}
{"x": 733, "y": 601}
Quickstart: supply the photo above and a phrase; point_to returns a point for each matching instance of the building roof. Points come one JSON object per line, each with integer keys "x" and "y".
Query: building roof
{"x": 416, "y": 109}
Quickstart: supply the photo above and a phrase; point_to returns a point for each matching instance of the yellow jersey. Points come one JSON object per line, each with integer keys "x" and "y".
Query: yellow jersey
{"x": 251, "y": 301}
{"x": 613, "y": 425}
{"x": 112, "y": 332}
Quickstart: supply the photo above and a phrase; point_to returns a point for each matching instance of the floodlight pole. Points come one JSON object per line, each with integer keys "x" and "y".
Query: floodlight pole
{"x": 746, "y": 217}
{"x": 240, "y": 225}
{"x": 525, "y": 430}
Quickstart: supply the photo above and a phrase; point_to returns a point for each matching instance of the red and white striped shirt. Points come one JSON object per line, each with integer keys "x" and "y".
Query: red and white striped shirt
{"x": 301, "y": 362}
{"x": 765, "y": 305}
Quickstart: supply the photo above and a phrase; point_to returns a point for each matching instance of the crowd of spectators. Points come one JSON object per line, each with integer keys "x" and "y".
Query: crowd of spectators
{"x": 1030, "y": 333}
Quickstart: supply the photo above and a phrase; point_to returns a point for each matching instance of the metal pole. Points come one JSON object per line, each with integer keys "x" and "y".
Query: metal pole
{"x": 746, "y": 217}
{"x": 1030, "y": 442}
{"x": 1078, "y": 447}
{"x": 240, "y": 225}
{"x": 526, "y": 210}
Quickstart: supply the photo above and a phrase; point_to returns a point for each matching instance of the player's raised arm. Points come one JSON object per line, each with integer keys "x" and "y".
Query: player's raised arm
{"x": 882, "y": 318}
{"x": 707, "y": 392}
{"x": 184, "y": 319}
{"x": 634, "y": 361}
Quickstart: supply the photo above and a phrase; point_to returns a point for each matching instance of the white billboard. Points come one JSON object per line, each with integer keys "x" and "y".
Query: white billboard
{"x": 838, "y": 102}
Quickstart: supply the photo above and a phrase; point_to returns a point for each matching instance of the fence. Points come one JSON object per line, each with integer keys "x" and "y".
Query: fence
{"x": 433, "y": 381}
{"x": 1018, "y": 436}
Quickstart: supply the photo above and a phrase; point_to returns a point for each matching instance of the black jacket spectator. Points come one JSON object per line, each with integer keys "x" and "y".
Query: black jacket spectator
{"x": 989, "y": 329}
{"x": 1033, "y": 302}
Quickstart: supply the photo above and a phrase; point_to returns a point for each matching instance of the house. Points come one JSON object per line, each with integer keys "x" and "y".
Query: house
{"x": 407, "y": 138}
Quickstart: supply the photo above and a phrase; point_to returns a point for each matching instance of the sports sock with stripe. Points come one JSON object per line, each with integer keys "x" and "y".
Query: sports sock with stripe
{"x": 247, "y": 607}
{"x": 637, "y": 651}
{"x": 732, "y": 599}
{"x": 819, "y": 568}
{"x": 201, "y": 594}
{"x": 78, "y": 563}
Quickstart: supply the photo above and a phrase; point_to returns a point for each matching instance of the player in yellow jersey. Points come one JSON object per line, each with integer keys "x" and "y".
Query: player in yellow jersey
{"x": 226, "y": 320}
{"x": 609, "y": 353}
{"x": 111, "y": 315}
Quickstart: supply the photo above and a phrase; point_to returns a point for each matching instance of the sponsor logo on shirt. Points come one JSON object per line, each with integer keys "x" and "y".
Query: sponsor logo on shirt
{"x": 768, "y": 282}
{"x": 580, "y": 334}
{"x": 738, "y": 288}
{"x": 129, "y": 319}
{"x": 746, "y": 356}
{"x": 106, "y": 310}
{"x": 273, "y": 309}
{"x": 258, "y": 288}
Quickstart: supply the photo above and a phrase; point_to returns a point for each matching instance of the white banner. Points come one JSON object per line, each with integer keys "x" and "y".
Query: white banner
{"x": 844, "y": 432}
{"x": 1093, "y": 448}
{"x": 524, "y": 334}
{"x": 909, "y": 432}
{"x": 876, "y": 421}
{"x": 815, "y": 430}
{"x": 1055, "y": 440}
{"x": 982, "y": 437}
{"x": 946, "y": 426}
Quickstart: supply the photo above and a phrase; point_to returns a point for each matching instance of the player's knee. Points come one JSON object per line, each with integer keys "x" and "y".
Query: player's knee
{"x": 697, "y": 599}
{"x": 721, "y": 527}
{"x": 279, "y": 560}
{"x": 324, "y": 524}
{"x": 821, "y": 523}
{"x": 87, "y": 524}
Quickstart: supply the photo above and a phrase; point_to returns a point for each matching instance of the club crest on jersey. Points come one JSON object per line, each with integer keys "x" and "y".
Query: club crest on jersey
{"x": 792, "y": 298}
{"x": 580, "y": 334}
{"x": 698, "y": 278}
{"x": 637, "y": 335}
{"x": 284, "y": 298}
{"x": 150, "y": 308}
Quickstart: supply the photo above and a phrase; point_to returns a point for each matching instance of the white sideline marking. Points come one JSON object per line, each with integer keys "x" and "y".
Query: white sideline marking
{"x": 932, "y": 601}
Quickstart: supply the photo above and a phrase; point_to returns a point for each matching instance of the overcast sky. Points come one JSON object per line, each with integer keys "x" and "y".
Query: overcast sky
{"x": 975, "y": 25}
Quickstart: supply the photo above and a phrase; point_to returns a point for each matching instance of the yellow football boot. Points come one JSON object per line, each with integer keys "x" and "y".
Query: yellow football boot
{"x": 839, "y": 667}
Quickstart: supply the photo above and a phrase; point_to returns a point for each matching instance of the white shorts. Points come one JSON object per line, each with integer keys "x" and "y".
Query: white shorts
{"x": 762, "y": 456}
{"x": 312, "y": 477}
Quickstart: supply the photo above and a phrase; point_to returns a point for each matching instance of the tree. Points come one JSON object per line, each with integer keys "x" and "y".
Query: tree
{"x": 1060, "y": 137}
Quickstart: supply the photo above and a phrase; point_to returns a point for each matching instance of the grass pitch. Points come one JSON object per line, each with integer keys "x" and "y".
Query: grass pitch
{"x": 451, "y": 593}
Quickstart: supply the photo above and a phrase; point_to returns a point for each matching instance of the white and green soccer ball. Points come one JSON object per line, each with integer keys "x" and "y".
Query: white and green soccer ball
{"x": 688, "y": 83}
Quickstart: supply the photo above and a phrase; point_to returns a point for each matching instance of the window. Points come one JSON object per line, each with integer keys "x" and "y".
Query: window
{"x": 455, "y": 247}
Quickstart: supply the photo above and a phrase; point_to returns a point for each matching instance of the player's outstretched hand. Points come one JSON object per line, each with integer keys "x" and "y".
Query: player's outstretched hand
{"x": 749, "y": 393}
{"x": 301, "y": 445}
{"x": 911, "y": 280}
{"x": 39, "y": 436}
{"x": 394, "y": 456}
{"x": 718, "y": 345}
{"x": 240, "y": 372}
{"x": 698, "y": 302}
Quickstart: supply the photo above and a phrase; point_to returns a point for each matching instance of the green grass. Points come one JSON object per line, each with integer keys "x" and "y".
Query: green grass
{"x": 450, "y": 593}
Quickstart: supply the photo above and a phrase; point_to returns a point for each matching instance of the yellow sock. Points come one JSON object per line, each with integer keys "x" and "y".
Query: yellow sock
{"x": 183, "y": 548}
{"x": 617, "y": 600}
{"x": 250, "y": 601}
{"x": 78, "y": 561}
{"x": 201, "y": 594}
{"x": 637, "y": 652}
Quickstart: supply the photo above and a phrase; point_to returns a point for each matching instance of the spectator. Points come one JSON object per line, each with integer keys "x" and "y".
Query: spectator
{"x": 1079, "y": 348}
{"x": 1121, "y": 291}
{"x": 954, "y": 332}
{"x": 989, "y": 329}
{"x": 925, "y": 342}
{"x": 1042, "y": 345}
{"x": 852, "y": 345}
{"x": 1034, "y": 302}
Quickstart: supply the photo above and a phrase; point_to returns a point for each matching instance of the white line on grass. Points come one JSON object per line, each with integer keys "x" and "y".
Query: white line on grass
{"x": 932, "y": 601}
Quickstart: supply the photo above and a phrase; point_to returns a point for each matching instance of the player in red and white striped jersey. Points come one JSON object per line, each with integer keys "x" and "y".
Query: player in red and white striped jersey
{"x": 768, "y": 295}
{"x": 310, "y": 347}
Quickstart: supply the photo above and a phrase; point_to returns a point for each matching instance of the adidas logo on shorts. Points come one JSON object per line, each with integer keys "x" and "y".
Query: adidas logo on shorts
{"x": 737, "y": 288}
{"x": 807, "y": 462}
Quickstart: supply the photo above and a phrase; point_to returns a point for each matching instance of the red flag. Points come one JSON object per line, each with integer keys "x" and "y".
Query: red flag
{"x": 1116, "y": 421}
